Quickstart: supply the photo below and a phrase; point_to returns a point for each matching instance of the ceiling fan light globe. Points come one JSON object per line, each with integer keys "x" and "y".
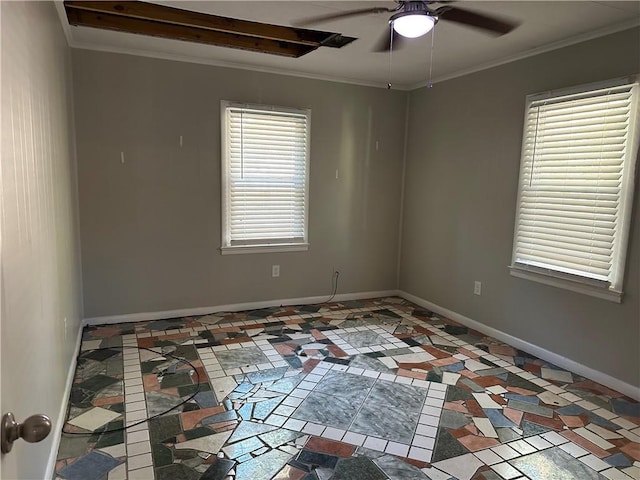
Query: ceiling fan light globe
{"x": 413, "y": 25}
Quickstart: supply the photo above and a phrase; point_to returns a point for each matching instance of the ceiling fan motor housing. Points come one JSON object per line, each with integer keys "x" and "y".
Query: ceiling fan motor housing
{"x": 414, "y": 8}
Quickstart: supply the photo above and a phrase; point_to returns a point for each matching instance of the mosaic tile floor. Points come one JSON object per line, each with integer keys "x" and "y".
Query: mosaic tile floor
{"x": 376, "y": 389}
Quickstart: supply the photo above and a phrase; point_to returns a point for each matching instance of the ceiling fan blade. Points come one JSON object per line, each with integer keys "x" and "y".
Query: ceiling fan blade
{"x": 466, "y": 17}
{"x": 346, "y": 14}
{"x": 384, "y": 42}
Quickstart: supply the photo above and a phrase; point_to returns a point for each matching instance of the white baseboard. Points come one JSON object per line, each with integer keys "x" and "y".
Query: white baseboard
{"x": 62, "y": 414}
{"x": 566, "y": 363}
{"x": 235, "y": 307}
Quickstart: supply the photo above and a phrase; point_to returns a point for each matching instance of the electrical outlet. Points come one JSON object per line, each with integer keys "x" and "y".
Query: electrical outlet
{"x": 275, "y": 270}
{"x": 477, "y": 288}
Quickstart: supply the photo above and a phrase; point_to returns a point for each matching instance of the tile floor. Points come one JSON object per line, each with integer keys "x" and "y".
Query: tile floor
{"x": 376, "y": 389}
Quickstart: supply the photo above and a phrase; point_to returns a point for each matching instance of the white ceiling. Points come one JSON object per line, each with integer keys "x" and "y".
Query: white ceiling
{"x": 458, "y": 49}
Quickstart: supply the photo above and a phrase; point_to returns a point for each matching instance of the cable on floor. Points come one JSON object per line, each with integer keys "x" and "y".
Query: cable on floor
{"x": 122, "y": 429}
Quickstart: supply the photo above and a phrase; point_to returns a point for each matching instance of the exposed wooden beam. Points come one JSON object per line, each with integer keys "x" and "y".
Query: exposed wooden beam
{"x": 174, "y": 31}
{"x": 176, "y": 16}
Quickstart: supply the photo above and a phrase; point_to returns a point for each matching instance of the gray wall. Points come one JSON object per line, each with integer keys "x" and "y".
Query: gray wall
{"x": 150, "y": 227}
{"x": 461, "y": 186}
{"x": 40, "y": 281}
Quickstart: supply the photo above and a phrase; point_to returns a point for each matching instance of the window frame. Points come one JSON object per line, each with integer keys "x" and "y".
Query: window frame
{"x": 226, "y": 247}
{"x": 593, "y": 287}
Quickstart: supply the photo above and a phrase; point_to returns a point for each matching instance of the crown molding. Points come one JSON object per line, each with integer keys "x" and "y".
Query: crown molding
{"x": 619, "y": 27}
{"x": 224, "y": 64}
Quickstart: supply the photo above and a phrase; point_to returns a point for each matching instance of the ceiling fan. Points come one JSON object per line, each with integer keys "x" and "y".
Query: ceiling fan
{"x": 412, "y": 19}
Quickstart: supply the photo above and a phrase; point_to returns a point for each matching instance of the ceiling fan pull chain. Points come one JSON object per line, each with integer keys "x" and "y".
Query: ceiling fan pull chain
{"x": 433, "y": 33}
{"x": 390, "y": 53}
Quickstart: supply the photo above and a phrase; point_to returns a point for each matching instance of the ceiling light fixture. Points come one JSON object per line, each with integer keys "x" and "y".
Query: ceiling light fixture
{"x": 413, "y": 24}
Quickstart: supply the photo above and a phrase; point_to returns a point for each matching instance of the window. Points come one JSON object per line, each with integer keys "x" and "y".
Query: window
{"x": 265, "y": 178}
{"x": 576, "y": 187}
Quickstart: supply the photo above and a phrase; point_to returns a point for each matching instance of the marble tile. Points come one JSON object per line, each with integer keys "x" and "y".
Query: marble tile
{"x": 462, "y": 468}
{"x": 275, "y": 420}
{"x": 139, "y": 461}
{"x": 275, "y": 438}
{"x": 447, "y": 447}
{"x": 485, "y": 427}
{"x": 218, "y": 469}
{"x": 373, "y": 364}
{"x": 242, "y": 447}
{"x": 624, "y": 407}
{"x": 97, "y": 383}
{"x": 146, "y": 473}
{"x": 138, "y": 448}
{"x": 423, "y": 442}
{"x": 222, "y": 387}
{"x": 531, "y": 408}
{"x": 210, "y": 443}
{"x": 267, "y": 375}
{"x": 537, "y": 466}
{"x": 333, "y": 433}
{"x": 505, "y": 452}
{"x": 414, "y": 357}
{"x": 175, "y": 471}
{"x": 453, "y": 419}
{"x": 137, "y": 436}
{"x": 363, "y": 339}
{"x": 506, "y": 471}
{"x": 522, "y": 447}
{"x": 633, "y": 471}
{"x": 553, "y": 399}
{"x": 261, "y": 410}
{"x": 72, "y": 446}
{"x": 488, "y": 457}
{"x": 118, "y": 473}
{"x": 355, "y": 439}
{"x": 93, "y": 466}
{"x": 158, "y": 403}
{"x": 345, "y": 385}
{"x": 374, "y": 443}
{"x": 286, "y": 385}
{"x": 450, "y": 378}
{"x": 241, "y": 357}
{"x": 248, "y": 429}
{"x": 607, "y": 434}
{"x": 402, "y": 405}
{"x": 311, "y": 459}
{"x": 595, "y": 463}
{"x": 498, "y": 419}
{"x": 399, "y": 449}
{"x": 556, "y": 375}
{"x": 328, "y": 410}
{"x": 614, "y": 474}
{"x": 593, "y": 438}
{"x": 485, "y": 401}
{"x": 94, "y": 418}
{"x": 396, "y": 469}
{"x": 357, "y": 468}
{"x": 117, "y": 450}
{"x": 618, "y": 460}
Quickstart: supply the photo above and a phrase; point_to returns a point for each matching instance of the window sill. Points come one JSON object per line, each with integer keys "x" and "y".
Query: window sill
{"x": 285, "y": 247}
{"x": 574, "y": 286}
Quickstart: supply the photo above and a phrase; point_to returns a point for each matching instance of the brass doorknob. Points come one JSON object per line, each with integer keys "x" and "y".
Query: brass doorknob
{"x": 33, "y": 429}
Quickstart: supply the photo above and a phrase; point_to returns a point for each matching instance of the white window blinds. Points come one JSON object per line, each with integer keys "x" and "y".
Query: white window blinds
{"x": 576, "y": 183}
{"x": 265, "y": 175}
